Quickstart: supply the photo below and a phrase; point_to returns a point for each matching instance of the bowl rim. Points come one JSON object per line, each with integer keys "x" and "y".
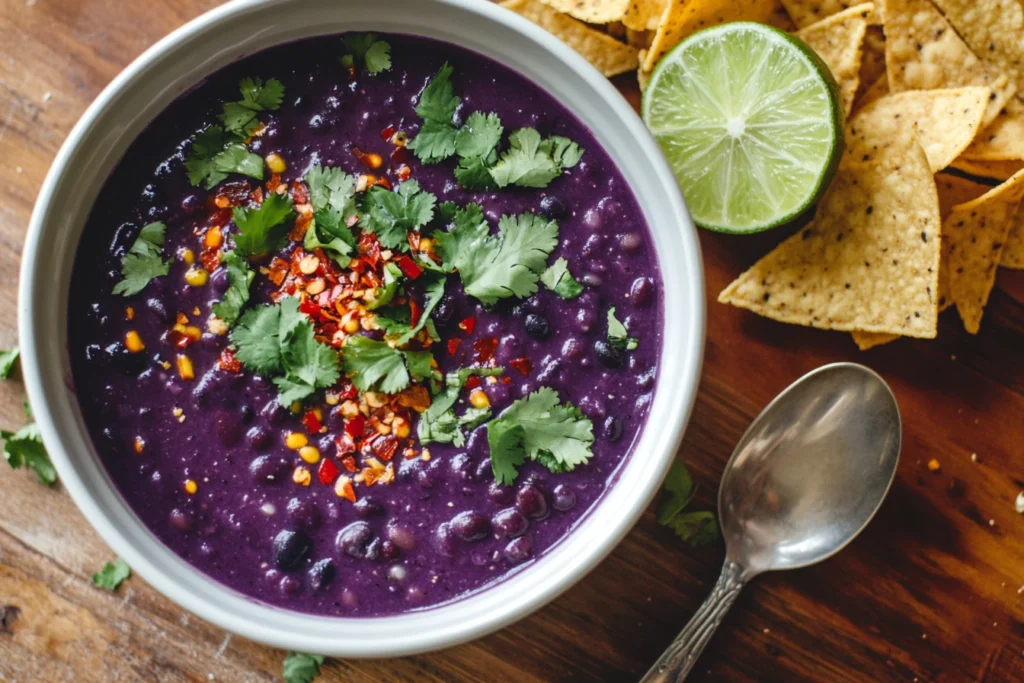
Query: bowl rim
{"x": 326, "y": 635}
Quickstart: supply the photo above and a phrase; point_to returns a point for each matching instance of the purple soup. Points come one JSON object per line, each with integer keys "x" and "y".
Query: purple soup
{"x": 364, "y": 324}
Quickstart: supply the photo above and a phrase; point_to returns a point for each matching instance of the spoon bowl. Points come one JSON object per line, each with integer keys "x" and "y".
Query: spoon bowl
{"x": 807, "y": 476}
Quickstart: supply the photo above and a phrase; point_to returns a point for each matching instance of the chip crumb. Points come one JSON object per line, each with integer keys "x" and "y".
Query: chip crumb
{"x": 991, "y": 522}
{"x": 766, "y": 631}
{"x": 934, "y": 465}
{"x": 974, "y": 457}
{"x": 1018, "y": 504}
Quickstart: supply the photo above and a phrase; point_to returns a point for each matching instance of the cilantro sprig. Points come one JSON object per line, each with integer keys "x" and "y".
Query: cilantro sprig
{"x": 618, "y": 335}
{"x": 541, "y": 428}
{"x": 8, "y": 361}
{"x": 439, "y": 423}
{"x": 437, "y": 106}
{"x": 695, "y": 527}
{"x": 112, "y": 575}
{"x": 262, "y": 229}
{"x": 559, "y": 280}
{"x": 24, "y": 448}
{"x": 391, "y": 215}
{"x": 332, "y": 194}
{"x": 300, "y": 667}
{"x": 142, "y": 263}
{"x": 240, "y": 277}
{"x": 476, "y": 144}
{"x": 278, "y": 342}
{"x": 531, "y": 161}
{"x": 377, "y": 366}
{"x": 367, "y": 49}
{"x": 395, "y": 321}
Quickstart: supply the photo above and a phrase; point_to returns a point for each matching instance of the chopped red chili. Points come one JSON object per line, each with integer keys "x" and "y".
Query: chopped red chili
{"x": 386, "y": 133}
{"x": 385, "y": 447}
{"x": 345, "y": 444}
{"x": 523, "y": 365}
{"x": 411, "y": 269}
{"x": 355, "y": 426}
{"x": 310, "y": 308}
{"x": 228, "y": 362}
{"x": 506, "y": 380}
{"x": 473, "y": 382}
{"x": 453, "y": 345}
{"x": 349, "y": 463}
{"x": 311, "y": 422}
{"x": 300, "y": 193}
{"x": 399, "y": 155}
{"x": 468, "y": 325}
{"x": 328, "y": 471}
{"x": 415, "y": 311}
{"x": 485, "y": 348}
{"x": 383, "y": 182}
{"x": 348, "y": 392}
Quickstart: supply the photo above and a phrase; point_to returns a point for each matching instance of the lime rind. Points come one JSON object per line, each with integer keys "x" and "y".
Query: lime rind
{"x": 751, "y": 122}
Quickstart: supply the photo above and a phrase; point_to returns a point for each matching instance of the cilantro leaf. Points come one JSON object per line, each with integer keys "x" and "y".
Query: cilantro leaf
{"x": 369, "y": 49}
{"x": 27, "y": 407}
{"x": 257, "y": 340}
{"x": 679, "y": 486}
{"x": 475, "y": 173}
{"x": 240, "y": 117}
{"x": 437, "y": 106}
{"x": 262, "y": 230}
{"x": 301, "y": 668}
{"x": 438, "y": 422}
{"x": 328, "y": 232}
{"x": 214, "y": 154}
{"x": 142, "y": 263}
{"x": 391, "y": 215}
{"x": 112, "y": 575}
{"x": 433, "y": 291}
{"x": 421, "y": 366}
{"x": 498, "y": 266}
{"x": 539, "y": 427}
{"x": 24, "y": 448}
{"x": 479, "y": 135}
{"x": 617, "y": 334}
{"x": 696, "y": 528}
{"x": 532, "y": 162}
{"x": 384, "y": 295}
{"x": 308, "y": 364}
{"x": 374, "y": 365}
{"x": 236, "y": 158}
{"x": 332, "y": 188}
{"x": 559, "y": 280}
{"x": 8, "y": 359}
{"x": 240, "y": 277}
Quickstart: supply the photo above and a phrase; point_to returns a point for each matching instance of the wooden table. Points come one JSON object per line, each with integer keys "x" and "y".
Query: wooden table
{"x": 931, "y": 591}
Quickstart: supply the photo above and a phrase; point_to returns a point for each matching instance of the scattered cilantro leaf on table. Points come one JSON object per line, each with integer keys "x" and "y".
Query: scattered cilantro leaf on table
{"x": 262, "y": 230}
{"x": 539, "y": 427}
{"x": 696, "y": 527}
{"x": 112, "y": 575}
{"x": 392, "y": 214}
{"x": 438, "y": 422}
{"x": 437, "y": 106}
{"x": 534, "y": 162}
{"x": 618, "y": 336}
{"x": 559, "y": 280}
{"x": 8, "y": 359}
{"x": 24, "y": 448}
{"x": 373, "y": 365}
{"x": 142, "y": 263}
{"x": 369, "y": 49}
{"x": 494, "y": 267}
{"x": 300, "y": 667}
{"x": 278, "y": 342}
{"x": 240, "y": 277}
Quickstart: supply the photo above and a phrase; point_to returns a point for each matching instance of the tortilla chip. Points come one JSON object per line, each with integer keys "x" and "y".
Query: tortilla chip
{"x": 591, "y": 11}
{"x": 872, "y": 62}
{"x": 643, "y": 15}
{"x": 974, "y": 235}
{"x": 876, "y": 91}
{"x": 861, "y": 263}
{"x": 923, "y": 52}
{"x": 807, "y": 12}
{"x": 1004, "y": 139}
{"x": 639, "y": 39}
{"x": 780, "y": 18}
{"x": 993, "y": 29}
{"x": 643, "y": 78}
{"x": 945, "y": 120}
{"x": 609, "y": 55}
{"x": 996, "y": 170}
{"x": 837, "y": 40}
{"x": 952, "y": 190}
{"x": 684, "y": 17}
{"x": 1013, "y": 250}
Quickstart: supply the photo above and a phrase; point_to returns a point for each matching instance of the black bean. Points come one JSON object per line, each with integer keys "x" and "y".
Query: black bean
{"x": 322, "y": 573}
{"x": 532, "y": 502}
{"x": 519, "y": 549}
{"x": 303, "y": 513}
{"x": 608, "y": 355}
{"x": 612, "y": 429}
{"x": 563, "y": 498}
{"x": 290, "y": 548}
{"x": 537, "y": 326}
{"x": 268, "y": 469}
{"x": 510, "y": 523}
{"x": 470, "y": 526}
{"x": 355, "y": 540}
{"x": 444, "y": 311}
{"x": 553, "y": 207}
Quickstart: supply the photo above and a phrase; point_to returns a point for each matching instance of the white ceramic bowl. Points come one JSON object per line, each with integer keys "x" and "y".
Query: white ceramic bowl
{"x": 181, "y": 60}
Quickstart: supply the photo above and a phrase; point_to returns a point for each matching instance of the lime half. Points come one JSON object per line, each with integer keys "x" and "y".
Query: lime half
{"x": 750, "y": 120}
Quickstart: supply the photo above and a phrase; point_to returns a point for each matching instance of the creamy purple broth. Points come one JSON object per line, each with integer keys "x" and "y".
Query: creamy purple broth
{"x": 442, "y": 528}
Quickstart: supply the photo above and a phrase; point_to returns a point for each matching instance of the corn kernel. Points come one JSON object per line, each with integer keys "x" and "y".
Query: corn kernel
{"x": 191, "y": 487}
{"x": 479, "y": 399}
{"x": 310, "y": 454}
{"x": 139, "y": 444}
{"x": 374, "y": 160}
{"x": 192, "y": 332}
{"x": 295, "y": 440}
{"x": 402, "y": 430}
{"x": 425, "y": 455}
{"x": 133, "y": 342}
{"x": 196, "y": 277}
{"x": 276, "y": 164}
{"x": 352, "y": 326}
{"x": 319, "y": 413}
{"x": 309, "y": 264}
{"x": 129, "y": 313}
{"x": 302, "y": 476}
{"x": 295, "y": 407}
{"x": 217, "y": 326}
{"x": 213, "y": 238}
{"x": 399, "y": 139}
{"x": 185, "y": 368}
{"x": 332, "y": 399}
{"x": 188, "y": 256}
{"x": 933, "y": 465}
{"x": 426, "y": 244}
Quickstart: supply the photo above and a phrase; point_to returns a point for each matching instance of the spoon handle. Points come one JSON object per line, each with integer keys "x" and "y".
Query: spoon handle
{"x": 678, "y": 659}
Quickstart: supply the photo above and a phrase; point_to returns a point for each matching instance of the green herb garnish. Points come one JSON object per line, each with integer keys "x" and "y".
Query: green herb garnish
{"x": 262, "y": 230}
{"x": 618, "y": 336}
{"x": 240, "y": 117}
{"x": 696, "y": 528}
{"x": 332, "y": 194}
{"x": 494, "y": 267}
{"x": 24, "y": 448}
{"x": 112, "y": 575}
{"x": 374, "y": 366}
{"x": 539, "y": 427}
{"x": 278, "y": 342}
{"x": 534, "y": 162}
{"x": 368, "y": 49}
{"x": 391, "y": 215}
{"x": 396, "y": 322}
{"x": 8, "y": 359}
{"x": 301, "y": 668}
{"x": 559, "y": 280}
{"x": 240, "y": 277}
{"x": 437, "y": 106}
{"x": 142, "y": 263}
{"x": 438, "y": 423}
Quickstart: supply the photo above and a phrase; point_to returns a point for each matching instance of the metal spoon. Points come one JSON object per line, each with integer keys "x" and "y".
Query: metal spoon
{"x": 808, "y": 475}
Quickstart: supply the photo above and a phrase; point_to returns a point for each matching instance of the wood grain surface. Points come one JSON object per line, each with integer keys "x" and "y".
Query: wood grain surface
{"x": 931, "y": 591}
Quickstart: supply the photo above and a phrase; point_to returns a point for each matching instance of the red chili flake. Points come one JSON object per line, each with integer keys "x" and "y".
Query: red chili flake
{"x": 370, "y": 476}
{"x": 348, "y": 392}
{"x": 349, "y": 463}
{"x": 368, "y": 159}
{"x": 355, "y": 426}
{"x": 411, "y": 269}
{"x": 179, "y": 340}
{"x": 453, "y": 345}
{"x": 468, "y": 325}
{"x": 403, "y": 172}
{"x": 473, "y": 382}
{"x": 385, "y": 447}
{"x": 274, "y": 183}
{"x": 485, "y": 348}
{"x": 311, "y": 422}
{"x": 257, "y": 195}
{"x": 210, "y": 258}
{"x": 506, "y": 380}
{"x": 349, "y": 491}
{"x": 399, "y": 155}
{"x": 300, "y": 193}
{"x": 523, "y": 365}
{"x": 278, "y": 270}
{"x": 384, "y": 182}
{"x": 345, "y": 445}
{"x": 415, "y": 311}
{"x": 221, "y": 216}
{"x": 369, "y": 247}
{"x": 386, "y": 133}
{"x": 228, "y": 362}
{"x": 328, "y": 471}
{"x": 310, "y": 308}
